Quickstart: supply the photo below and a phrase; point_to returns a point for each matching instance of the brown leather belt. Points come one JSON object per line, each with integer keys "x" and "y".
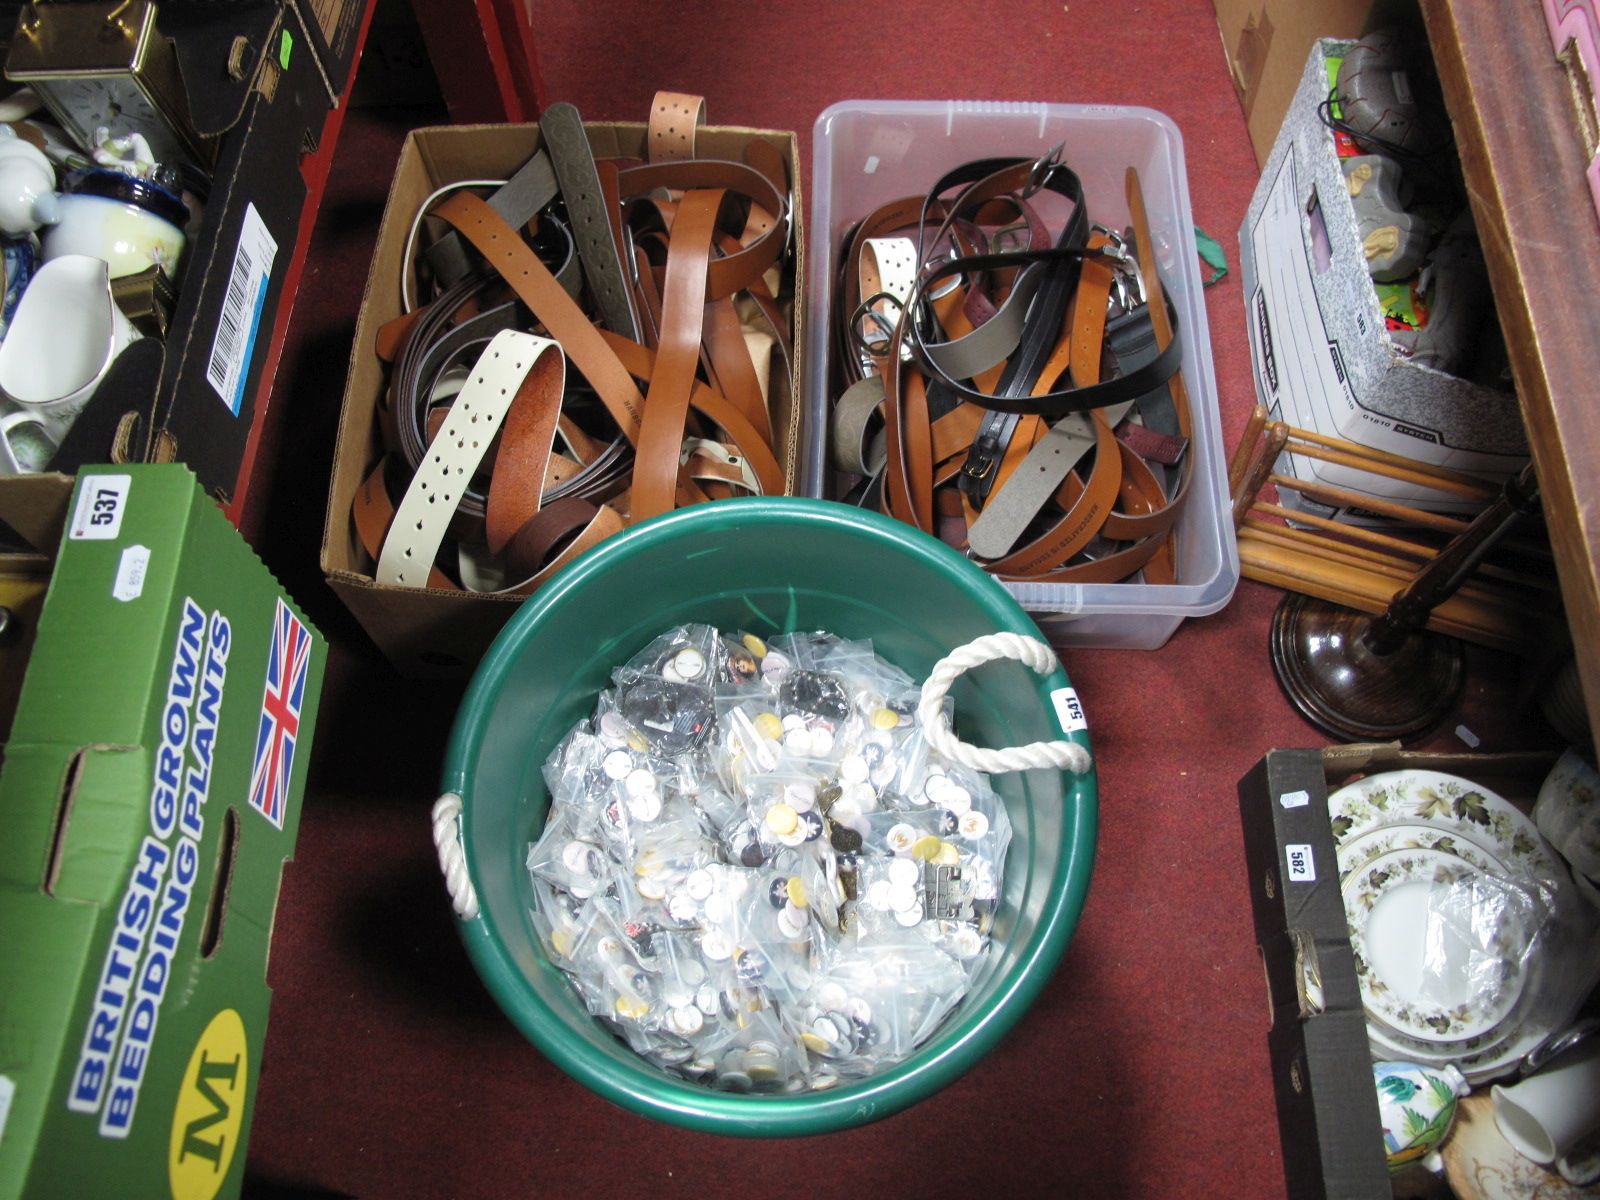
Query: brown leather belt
{"x": 1028, "y": 387}
{"x": 672, "y": 334}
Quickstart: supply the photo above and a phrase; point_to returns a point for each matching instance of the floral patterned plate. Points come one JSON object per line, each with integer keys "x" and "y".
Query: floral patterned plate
{"x": 1481, "y": 1165}
{"x": 1393, "y": 904}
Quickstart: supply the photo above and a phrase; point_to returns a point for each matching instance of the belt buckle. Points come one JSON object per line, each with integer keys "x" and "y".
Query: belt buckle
{"x": 1010, "y": 239}
{"x": 869, "y": 348}
{"x": 1044, "y": 167}
{"x": 1117, "y": 245}
{"x": 1127, "y": 290}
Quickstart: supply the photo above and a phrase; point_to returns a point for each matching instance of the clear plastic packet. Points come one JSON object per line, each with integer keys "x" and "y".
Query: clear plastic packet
{"x": 614, "y": 730}
{"x": 632, "y": 988}
{"x": 774, "y": 936}
{"x": 560, "y": 921}
{"x": 903, "y": 986}
{"x": 576, "y": 864}
{"x": 683, "y": 654}
{"x": 665, "y": 852}
{"x": 811, "y": 885}
{"x": 666, "y": 691}
{"x": 747, "y": 743}
{"x": 596, "y": 921}
{"x": 739, "y": 666}
{"x": 889, "y": 895}
{"x": 716, "y": 806}
{"x": 896, "y": 832}
{"x": 783, "y": 810}
{"x": 574, "y": 776}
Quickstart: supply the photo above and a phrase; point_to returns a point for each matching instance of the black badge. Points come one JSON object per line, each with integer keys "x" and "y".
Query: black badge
{"x": 844, "y": 839}
{"x": 751, "y": 855}
{"x": 674, "y": 717}
{"x": 815, "y": 693}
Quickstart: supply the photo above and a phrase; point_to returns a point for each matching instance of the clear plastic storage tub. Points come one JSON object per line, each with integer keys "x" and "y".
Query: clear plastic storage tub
{"x": 866, "y": 152}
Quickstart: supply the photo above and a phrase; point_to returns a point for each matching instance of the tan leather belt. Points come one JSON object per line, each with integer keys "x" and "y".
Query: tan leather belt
{"x": 669, "y": 345}
{"x": 1025, "y": 402}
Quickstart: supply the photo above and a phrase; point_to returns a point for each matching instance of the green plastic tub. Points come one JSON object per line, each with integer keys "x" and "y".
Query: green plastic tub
{"x": 768, "y": 566}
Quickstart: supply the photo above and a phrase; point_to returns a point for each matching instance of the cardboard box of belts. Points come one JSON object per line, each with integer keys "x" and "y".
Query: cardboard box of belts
{"x": 1328, "y": 1114}
{"x": 152, "y": 787}
{"x": 394, "y": 428}
{"x": 1325, "y": 359}
{"x": 260, "y": 82}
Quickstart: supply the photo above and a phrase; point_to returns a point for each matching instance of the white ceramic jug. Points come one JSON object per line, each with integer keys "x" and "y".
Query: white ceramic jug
{"x": 62, "y": 340}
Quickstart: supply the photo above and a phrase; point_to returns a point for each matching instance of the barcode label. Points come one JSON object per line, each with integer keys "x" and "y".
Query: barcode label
{"x": 235, "y": 338}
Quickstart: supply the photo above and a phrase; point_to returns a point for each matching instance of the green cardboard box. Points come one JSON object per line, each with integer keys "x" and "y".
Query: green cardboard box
{"x": 150, "y": 796}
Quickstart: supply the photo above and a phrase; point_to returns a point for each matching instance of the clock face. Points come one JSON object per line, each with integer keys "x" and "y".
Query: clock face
{"x": 114, "y": 102}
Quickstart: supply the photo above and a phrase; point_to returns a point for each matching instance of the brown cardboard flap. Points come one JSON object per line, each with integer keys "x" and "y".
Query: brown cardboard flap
{"x": 35, "y": 506}
{"x": 220, "y": 49}
{"x": 1516, "y": 773}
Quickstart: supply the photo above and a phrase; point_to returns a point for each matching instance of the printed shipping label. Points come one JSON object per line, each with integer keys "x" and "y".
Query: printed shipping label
{"x": 235, "y": 338}
{"x": 1068, "y": 710}
{"x": 1302, "y": 864}
{"x": 101, "y": 503}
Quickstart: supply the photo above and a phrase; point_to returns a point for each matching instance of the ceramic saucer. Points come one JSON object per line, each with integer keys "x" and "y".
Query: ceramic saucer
{"x": 1481, "y": 1165}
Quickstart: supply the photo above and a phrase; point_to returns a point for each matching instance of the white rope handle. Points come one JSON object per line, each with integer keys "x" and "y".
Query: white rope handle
{"x": 1031, "y": 652}
{"x": 452, "y": 856}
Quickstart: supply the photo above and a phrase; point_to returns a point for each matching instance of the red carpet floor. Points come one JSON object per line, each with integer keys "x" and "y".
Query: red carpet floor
{"x": 1141, "y": 1072}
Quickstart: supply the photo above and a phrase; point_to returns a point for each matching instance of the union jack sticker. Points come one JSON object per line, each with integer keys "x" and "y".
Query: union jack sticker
{"x": 287, "y": 667}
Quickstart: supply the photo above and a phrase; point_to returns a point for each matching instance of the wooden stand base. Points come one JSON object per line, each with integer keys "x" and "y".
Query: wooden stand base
{"x": 1329, "y": 672}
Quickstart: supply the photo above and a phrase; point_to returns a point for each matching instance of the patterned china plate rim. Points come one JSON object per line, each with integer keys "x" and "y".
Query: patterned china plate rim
{"x": 1500, "y": 1058}
{"x": 1359, "y": 850}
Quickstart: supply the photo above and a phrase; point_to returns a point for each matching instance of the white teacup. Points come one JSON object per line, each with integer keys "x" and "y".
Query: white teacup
{"x": 1555, "y": 1109}
{"x": 66, "y": 332}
